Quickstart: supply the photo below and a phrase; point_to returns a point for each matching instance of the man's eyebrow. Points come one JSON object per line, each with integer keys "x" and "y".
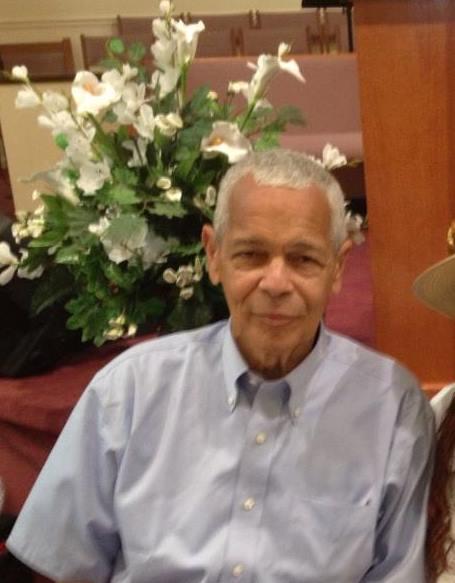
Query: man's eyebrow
{"x": 248, "y": 241}
{"x": 306, "y": 246}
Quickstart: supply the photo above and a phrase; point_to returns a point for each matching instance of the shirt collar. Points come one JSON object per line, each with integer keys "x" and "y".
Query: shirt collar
{"x": 234, "y": 366}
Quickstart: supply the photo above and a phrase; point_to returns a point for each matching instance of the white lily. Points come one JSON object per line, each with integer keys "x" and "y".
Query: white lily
{"x": 186, "y": 36}
{"x": 119, "y": 252}
{"x": 19, "y": 72}
{"x": 187, "y": 292}
{"x": 60, "y": 122}
{"x": 266, "y": 67}
{"x": 55, "y": 102}
{"x": 27, "y": 98}
{"x": 100, "y": 227}
{"x": 169, "y": 124}
{"x": 164, "y": 183}
{"x": 173, "y": 194}
{"x": 117, "y": 79}
{"x": 9, "y": 261}
{"x": 354, "y": 224}
{"x": 332, "y": 157}
{"x": 227, "y": 139}
{"x": 145, "y": 123}
{"x": 91, "y": 95}
{"x": 166, "y": 79}
{"x": 133, "y": 97}
{"x": 138, "y": 148}
{"x": 79, "y": 149}
{"x": 210, "y": 196}
{"x": 166, "y": 8}
{"x": 92, "y": 176}
{"x": 155, "y": 248}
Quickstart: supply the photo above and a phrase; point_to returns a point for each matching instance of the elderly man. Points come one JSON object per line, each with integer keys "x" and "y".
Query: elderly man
{"x": 263, "y": 449}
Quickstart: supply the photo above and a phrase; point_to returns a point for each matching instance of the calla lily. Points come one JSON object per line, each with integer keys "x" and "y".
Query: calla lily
{"x": 8, "y": 260}
{"x": 164, "y": 182}
{"x": 265, "y": 68}
{"x": 187, "y": 36}
{"x": 173, "y": 194}
{"x": 332, "y": 157}
{"x": 138, "y": 148}
{"x": 11, "y": 262}
{"x": 169, "y": 124}
{"x": 145, "y": 124}
{"x": 166, "y": 79}
{"x": 227, "y": 139}
{"x": 91, "y": 95}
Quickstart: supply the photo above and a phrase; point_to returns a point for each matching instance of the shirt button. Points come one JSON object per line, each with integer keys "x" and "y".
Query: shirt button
{"x": 249, "y": 504}
{"x": 261, "y": 438}
{"x": 238, "y": 569}
{"x": 296, "y": 412}
{"x": 231, "y": 401}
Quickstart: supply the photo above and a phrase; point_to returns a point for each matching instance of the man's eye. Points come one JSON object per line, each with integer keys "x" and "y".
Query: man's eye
{"x": 248, "y": 257}
{"x": 303, "y": 260}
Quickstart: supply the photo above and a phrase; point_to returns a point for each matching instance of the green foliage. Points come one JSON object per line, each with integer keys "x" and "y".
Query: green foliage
{"x": 110, "y": 238}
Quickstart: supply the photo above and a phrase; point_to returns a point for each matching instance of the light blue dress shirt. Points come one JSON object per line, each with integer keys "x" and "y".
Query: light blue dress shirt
{"x": 180, "y": 466}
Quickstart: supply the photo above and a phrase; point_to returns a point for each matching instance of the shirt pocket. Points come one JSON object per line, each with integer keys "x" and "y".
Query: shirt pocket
{"x": 336, "y": 538}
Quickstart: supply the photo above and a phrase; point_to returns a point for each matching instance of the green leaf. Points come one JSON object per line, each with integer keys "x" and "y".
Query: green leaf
{"x": 49, "y": 238}
{"x": 267, "y": 141}
{"x": 186, "y": 164}
{"x": 125, "y": 176}
{"x": 110, "y": 63}
{"x": 122, "y": 194}
{"x": 68, "y": 255}
{"x": 191, "y": 137}
{"x": 168, "y": 209}
{"x": 116, "y": 46}
{"x": 52, "y": 287}
{"x": 127, "y": 230}
{"x": 199, "y": 99}
{"x": 61, "y": 141}
{"x": 184, "y": 250}
{"x": 136, "y": 52}
{"x": 79, "y": 218}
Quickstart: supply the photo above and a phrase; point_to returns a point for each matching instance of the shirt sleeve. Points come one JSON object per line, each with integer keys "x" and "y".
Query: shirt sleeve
{"x": 66, "y": 529}
{"x": 401, "y": 528}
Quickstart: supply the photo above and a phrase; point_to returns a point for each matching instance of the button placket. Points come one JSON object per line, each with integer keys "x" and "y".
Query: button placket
{"x": 250, "y": 492}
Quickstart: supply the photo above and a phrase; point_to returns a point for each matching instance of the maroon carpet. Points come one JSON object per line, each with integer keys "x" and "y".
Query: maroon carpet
{"x": 351, "y": 311}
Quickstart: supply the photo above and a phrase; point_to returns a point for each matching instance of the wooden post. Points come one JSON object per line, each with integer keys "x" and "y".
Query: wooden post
{"x": 406, "y": 59}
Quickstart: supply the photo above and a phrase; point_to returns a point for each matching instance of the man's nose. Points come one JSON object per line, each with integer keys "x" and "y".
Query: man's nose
{"x": 275, "y": 278}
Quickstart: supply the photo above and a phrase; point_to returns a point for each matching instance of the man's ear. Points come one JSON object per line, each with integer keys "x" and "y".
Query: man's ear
{"x": 212, "y": 253}
{"x": 339, "y": 265}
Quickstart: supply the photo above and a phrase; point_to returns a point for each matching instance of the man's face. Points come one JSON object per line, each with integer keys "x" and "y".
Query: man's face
{"x": 278, "y": 267}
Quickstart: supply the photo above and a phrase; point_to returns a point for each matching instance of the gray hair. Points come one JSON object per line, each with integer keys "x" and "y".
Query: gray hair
{"x": 288, "y": 168}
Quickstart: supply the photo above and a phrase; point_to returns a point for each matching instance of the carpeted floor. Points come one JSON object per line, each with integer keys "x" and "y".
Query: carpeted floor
{"x": 350, "y": 312}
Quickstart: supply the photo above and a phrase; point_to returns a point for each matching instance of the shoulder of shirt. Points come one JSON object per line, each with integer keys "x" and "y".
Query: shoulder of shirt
{"x": 370, "y": 364}
{"x": 206, "y": 336}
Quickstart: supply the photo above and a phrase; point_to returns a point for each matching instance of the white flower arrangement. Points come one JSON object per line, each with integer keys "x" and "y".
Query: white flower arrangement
{"x": 117, "y": 235}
